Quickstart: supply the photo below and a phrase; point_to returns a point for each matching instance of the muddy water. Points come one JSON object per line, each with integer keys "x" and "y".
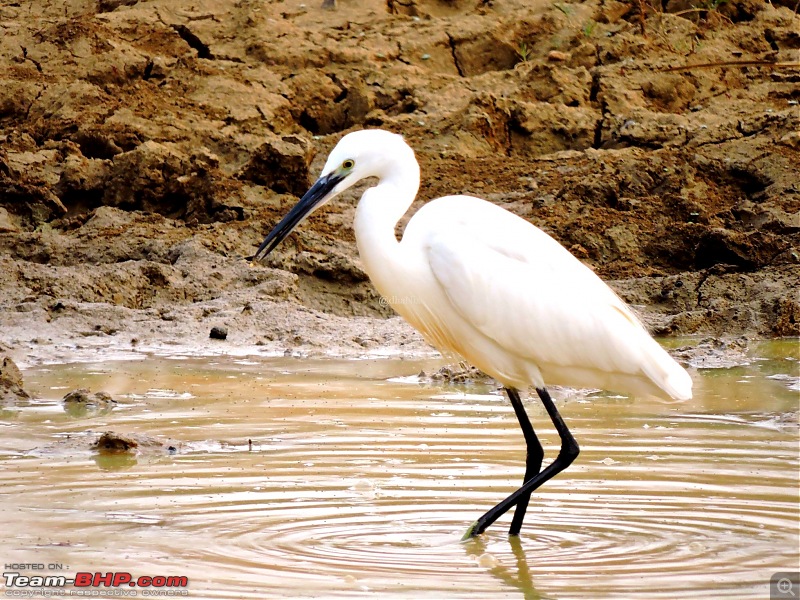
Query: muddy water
{"x": 300, "y": 478}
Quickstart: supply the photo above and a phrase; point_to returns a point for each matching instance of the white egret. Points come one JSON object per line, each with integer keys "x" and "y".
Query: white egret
{"x": 484, "y": 284}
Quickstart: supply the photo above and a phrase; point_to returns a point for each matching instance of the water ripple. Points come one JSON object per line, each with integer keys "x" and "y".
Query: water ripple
{"x": 363, "y": 496}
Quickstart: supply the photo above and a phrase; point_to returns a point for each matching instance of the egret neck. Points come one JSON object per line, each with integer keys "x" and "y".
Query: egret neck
{"x": 377, "y": 215}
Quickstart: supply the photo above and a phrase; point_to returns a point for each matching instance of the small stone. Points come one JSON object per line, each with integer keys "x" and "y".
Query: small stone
{"x": 556, "y": 56}
{"x": 219, "y": 333}
{"x": 113, "y": 443}
{"x": 84, "y": 397}
{"x": 791, "y": 139}
{"x": 80, "y": 396}
{"x": 6, "y": 221}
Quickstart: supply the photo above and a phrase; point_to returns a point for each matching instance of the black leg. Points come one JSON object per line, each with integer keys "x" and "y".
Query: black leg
{"x": 569, "y": 451}
{"x": 533, "y": 458}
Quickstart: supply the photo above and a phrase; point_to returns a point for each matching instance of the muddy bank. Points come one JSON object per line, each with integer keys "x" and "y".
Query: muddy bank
{"x": 146, "y": 148}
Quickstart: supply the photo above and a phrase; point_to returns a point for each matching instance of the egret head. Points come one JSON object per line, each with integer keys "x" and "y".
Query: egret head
{"x": 358, "y": 155}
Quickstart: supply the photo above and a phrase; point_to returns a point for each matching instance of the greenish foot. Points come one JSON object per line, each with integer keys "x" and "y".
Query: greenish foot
{"x": 470, "y": 531}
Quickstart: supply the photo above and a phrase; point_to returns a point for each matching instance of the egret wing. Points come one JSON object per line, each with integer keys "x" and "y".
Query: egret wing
{"x": 534, "y": 299}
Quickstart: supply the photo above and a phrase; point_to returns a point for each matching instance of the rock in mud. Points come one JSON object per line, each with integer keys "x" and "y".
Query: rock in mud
{"x": 219, "y": 333}
{"x": 11, "y": 382}
{"x": 458, "y": 373}
{"x": 115, "y": 443}
{"x": 85, "y": 396}
{"x": 715, "y": 353}
{"x": 111, "y": 442}
{"x": 110, "y": 450}
{"x": 82, "y": 403}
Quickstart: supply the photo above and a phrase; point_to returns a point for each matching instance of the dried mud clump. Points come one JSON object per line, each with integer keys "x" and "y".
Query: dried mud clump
{"x": 112, "y": 443}
{"x": 11, "y": 382}
{"x": 146, "y": 148}
{"x": 83, "y": 403}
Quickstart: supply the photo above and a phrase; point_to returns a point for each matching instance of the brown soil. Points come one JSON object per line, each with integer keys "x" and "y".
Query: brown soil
{"x": 147, "y": 146}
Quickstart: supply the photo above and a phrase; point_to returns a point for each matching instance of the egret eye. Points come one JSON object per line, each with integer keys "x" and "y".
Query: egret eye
{"x": 348, "y": 164}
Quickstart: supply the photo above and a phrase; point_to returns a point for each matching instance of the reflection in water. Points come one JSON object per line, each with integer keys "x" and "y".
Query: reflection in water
{"x": 342, "y": 479}
{"x": 114, "y": 462}
{"x": 518, "y": 576}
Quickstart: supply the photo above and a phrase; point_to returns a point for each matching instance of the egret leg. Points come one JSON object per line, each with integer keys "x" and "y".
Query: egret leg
{"x": 533, "y": 457}
{"x": 568, "y": 453}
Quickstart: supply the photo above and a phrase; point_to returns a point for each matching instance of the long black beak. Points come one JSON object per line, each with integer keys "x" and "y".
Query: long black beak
{"x": 307, "y": 204}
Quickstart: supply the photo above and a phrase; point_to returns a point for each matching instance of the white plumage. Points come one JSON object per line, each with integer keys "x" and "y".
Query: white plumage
{"x": 484, "y": 284}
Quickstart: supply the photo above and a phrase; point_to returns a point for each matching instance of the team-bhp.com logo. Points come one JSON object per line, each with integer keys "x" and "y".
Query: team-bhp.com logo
{"x": 18, "y": 585}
